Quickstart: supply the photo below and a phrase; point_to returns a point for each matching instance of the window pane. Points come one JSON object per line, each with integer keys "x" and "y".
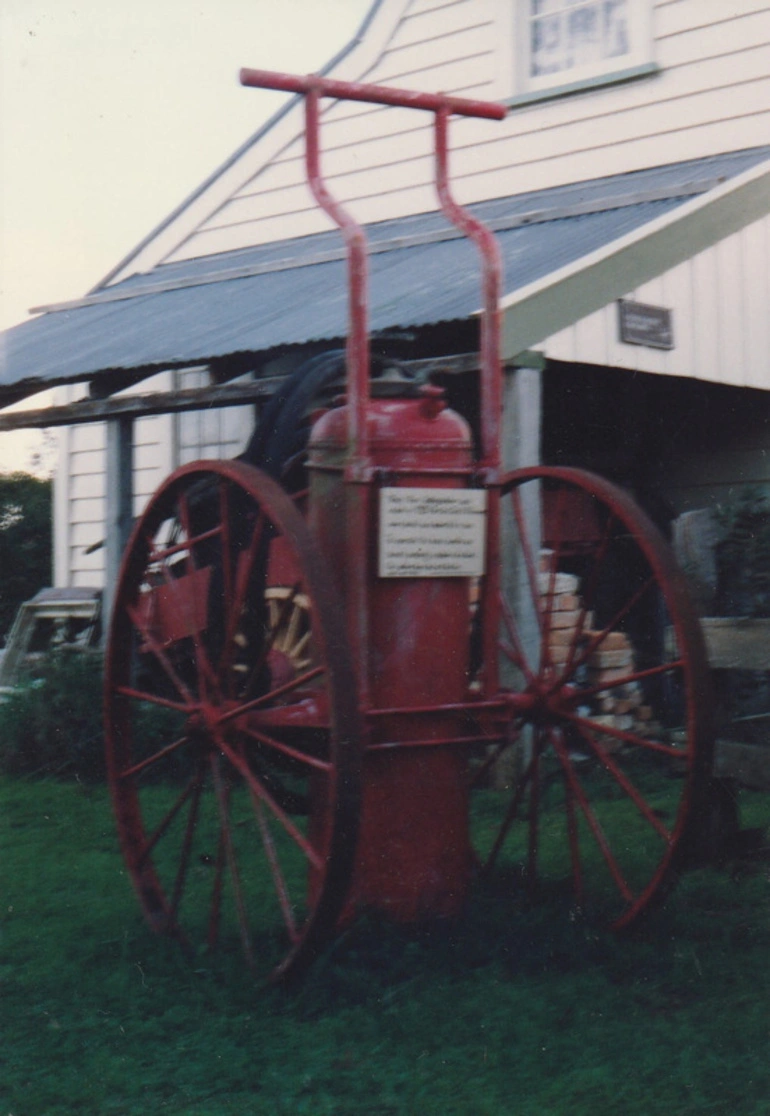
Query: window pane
{"x": 566, "y": 34}
{"x": 616, "y": 39}
{"x": 583, "y": 35}
{"x": 548, "y": 46}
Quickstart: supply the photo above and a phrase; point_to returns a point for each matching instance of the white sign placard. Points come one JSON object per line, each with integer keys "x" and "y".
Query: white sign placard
{"x": 432, "y": 532}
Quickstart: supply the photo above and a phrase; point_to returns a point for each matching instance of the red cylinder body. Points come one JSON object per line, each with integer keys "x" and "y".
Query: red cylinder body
{"x": 414, "y": 855}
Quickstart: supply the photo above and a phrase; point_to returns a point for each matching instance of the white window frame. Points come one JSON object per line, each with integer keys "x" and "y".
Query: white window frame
{"x": 636, "y": 61}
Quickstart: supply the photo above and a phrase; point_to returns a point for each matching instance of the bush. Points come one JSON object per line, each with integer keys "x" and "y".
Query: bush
{"x": 743, "y": 564}
{"x": 25, "y": 542}
{"x": 743, "y": 557}
{"x": 52, "y": 722}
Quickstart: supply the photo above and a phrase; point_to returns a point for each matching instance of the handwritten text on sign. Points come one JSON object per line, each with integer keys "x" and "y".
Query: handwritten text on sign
{"x": 432, "y": 532}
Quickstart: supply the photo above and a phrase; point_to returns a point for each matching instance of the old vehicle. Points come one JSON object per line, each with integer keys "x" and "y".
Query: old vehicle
{"x": 377, "y": 669}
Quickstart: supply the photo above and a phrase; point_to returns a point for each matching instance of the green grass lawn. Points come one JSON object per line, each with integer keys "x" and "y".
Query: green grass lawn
{"x": 521, "y": 1012}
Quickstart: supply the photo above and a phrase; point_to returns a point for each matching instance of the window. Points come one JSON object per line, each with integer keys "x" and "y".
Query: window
{"x": 565, "y": 42}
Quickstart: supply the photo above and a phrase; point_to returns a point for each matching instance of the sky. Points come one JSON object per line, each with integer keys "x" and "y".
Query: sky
{"x": 113, "y": 112}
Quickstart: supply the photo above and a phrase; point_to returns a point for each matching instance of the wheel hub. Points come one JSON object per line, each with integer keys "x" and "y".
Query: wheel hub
{"x": 543, "y": 703}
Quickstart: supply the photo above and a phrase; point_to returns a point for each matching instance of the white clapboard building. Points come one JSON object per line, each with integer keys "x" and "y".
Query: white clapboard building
{"x": 629, "y": 186}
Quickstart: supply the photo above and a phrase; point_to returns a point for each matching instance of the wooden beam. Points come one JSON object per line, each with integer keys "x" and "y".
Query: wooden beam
{"x": 199, "y": 399}
{"x": 137, "y": 406}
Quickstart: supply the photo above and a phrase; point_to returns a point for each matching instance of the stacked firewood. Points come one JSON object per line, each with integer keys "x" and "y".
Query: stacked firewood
{"x": 621, "y": 705}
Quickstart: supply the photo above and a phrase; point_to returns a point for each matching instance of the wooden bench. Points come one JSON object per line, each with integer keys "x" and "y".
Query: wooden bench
{"x": 738, "y": 643}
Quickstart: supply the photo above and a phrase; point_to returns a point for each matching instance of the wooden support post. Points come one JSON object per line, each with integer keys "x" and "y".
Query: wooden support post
{"x": 522, "y": 407}
{"x": 119, "y": 504}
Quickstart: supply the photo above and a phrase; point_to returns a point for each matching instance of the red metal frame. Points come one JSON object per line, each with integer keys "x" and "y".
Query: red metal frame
{"x": 313, "y": 87}
{"x": 548, "y": 694}
{"x": 359, "y": 471}
{"x": 403, "y": 733}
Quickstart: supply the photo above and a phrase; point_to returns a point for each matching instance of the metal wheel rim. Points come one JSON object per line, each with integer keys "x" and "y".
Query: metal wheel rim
{"x": 342, "y": 791}
{"x": 696, "y": 753}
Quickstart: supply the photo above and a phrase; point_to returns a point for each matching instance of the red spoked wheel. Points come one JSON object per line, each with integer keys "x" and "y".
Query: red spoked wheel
{"x": 609, "y": 749}
{"x": 230, "y": 705}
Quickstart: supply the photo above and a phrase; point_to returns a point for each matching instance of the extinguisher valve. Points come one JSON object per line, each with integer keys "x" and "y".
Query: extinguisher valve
{"x": 432, "y": 401}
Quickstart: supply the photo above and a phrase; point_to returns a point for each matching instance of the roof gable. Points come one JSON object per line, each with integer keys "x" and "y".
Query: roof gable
{"x": 267, "y": 143}
{"x": 707, "y": 91}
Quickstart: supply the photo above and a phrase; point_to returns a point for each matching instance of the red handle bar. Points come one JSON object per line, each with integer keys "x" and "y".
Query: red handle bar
{"x": 375, "y": 94}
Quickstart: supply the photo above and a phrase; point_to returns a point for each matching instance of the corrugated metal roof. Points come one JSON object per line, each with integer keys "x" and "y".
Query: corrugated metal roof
{"x": 294, "y": 292}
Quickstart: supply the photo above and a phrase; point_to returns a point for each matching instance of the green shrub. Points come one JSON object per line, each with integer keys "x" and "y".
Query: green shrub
{"x": 52, "y": 722}
{"x": 743, "y": 557}
{"x": 743, "y": 564}
{"x": 25, "y": 541}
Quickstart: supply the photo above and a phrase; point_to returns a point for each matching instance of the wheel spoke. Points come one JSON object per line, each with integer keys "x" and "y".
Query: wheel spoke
{"x": 158, "y": 653}
{"x": 243, "y": 575}
{"x": 626, "y": 736}
{"x": 271, "y": 852}
{"x": 227, "y": 558}
{"x": 162, "y": 829}
{"x": 159, "y": 555}
{"x": 267, "y": 699}
{"x": 269, "y": 641}
{"x": 155, "y": 699}
{"x": 510, "y": 815}
{"x": 299, "y": 647}
{"x": 625, "y": 783}
{"x": 129, "y": 772}
{"x": 593, "y": 821}
{"x": 184, "y": 858}
{"x": 515, "y": 653}
{"x": 292, "y": 628}
{"x": 256, "y": 785}
{"x": 597, "y": 640}
{"x": 589, "y": 591}
{"x": 490, "y": 760}
{"x": 627, "y": 679}
{"x": 285, "y": 749}
{"x": 223, "y": 802}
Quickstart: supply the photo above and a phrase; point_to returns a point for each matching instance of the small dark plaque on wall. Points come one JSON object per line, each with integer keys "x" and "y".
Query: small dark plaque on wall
{"x": 641, "y": 324}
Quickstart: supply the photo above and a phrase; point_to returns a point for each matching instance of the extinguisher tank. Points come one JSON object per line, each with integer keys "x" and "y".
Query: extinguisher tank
{"x": 418, "y": 626}
{"x": 414, "y": 857}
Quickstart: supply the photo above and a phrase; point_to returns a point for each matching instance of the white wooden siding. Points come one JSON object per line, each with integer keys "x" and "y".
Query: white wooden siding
{"x": 215, "y": 433}
{"x": 79, "y": 489}
{"x": 79, "y": 500}
{"x": 161, "y": 442}
{"x": 719, "y": 301}
{"x": 712, "y": 94}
